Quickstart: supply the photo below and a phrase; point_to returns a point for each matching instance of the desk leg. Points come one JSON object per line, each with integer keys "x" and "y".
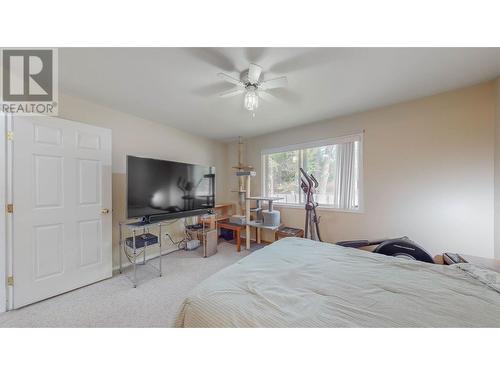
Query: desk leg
{"x": 203, "y": 238}
{"x": 135, "y": 266}
{"x": 135, "y": 261}
{"x": 257, "y": 234}
{"x": 120, "y": 249}
{"x": 247, "y": 235}
{"x": 159, "y": 243}
{"x": 238, "y": 239}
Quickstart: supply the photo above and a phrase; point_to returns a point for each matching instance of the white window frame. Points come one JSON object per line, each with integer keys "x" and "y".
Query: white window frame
{"x": 319, "y": 143}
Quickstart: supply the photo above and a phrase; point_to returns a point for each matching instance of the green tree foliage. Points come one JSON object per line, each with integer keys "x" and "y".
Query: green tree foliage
{"x": 284, "y": 172}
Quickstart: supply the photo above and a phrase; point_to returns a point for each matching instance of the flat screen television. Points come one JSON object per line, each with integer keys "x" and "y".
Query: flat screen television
{"x": 163, "y": 189}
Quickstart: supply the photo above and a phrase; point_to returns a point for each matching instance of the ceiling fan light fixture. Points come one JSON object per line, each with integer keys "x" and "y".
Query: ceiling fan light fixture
{"x": 251, "y": 99}
{"x": 252, "y": 84}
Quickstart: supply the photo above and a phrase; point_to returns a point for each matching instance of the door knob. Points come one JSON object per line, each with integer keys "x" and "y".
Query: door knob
{"x": 104, "y": 210}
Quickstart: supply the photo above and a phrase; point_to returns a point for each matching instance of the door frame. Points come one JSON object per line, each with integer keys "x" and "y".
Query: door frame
{"x": 3, "y": 216}
{"x": 6, "y": 121}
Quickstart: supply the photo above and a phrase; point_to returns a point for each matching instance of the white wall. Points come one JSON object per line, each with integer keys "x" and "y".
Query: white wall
{"x": 140, "y": 137}
{"x": 428, "y": 171}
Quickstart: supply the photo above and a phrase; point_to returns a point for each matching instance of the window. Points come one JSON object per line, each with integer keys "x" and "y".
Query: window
{"x": 336, "y": 164}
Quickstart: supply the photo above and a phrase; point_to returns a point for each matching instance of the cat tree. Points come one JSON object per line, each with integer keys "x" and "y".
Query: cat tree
{"x": 265, "y": 219}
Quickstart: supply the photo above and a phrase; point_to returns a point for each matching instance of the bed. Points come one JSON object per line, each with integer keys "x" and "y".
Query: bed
{"x": 296, "y": 282}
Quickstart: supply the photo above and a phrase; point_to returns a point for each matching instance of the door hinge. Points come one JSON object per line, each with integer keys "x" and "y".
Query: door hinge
{"x": 10, "y": 281}
{"x": 10, "y": 208}
{"x": 10, "y": 136}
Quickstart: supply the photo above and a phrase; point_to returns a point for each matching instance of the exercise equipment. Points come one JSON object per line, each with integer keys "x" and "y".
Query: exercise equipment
{"x": 309, "y": 185}
{"x": 401, "y": 247}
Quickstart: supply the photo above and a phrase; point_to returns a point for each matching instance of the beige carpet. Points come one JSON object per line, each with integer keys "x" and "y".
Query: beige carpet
{"x": 114, "y": 303}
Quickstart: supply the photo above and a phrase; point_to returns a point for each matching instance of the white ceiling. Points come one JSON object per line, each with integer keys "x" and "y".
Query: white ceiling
{"x": 179, "y": 86}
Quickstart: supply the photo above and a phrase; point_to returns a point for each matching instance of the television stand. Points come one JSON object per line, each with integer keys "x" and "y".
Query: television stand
{"x": 134, "y": 246}
{"x": 138, "y": 244}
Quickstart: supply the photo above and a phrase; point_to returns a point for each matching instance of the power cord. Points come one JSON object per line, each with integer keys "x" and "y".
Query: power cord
{"x": 181, "y": 244}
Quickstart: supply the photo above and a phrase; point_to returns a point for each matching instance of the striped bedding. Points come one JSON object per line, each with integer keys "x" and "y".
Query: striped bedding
{"x": 300, "y": 283}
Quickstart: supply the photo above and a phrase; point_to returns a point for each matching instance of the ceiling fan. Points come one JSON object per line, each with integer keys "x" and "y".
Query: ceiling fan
{"x": 251, "y": 84}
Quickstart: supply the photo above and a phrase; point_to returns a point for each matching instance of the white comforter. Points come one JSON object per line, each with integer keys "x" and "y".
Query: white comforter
{"x": 300, "y": 283}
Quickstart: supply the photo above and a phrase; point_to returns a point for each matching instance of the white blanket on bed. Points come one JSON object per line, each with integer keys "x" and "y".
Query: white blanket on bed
{"x": 300, "y": 283}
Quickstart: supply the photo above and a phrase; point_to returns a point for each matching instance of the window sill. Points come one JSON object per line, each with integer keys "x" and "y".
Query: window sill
{"x": 319, "y": 208}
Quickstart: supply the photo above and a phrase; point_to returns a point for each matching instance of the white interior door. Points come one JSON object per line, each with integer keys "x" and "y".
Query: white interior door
{"x": 61, "y": 191}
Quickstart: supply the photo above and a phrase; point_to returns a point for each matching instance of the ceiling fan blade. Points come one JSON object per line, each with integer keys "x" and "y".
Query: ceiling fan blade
{"x": 254, "y": 73}
{"x": 230, "y": 79}
{"x": 274, "y": 83}
{"x": 266, "y": 96}
{"x": 232, "y": 92}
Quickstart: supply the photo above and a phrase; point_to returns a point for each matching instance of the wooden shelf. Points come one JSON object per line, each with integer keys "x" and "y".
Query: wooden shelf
{"x": 245, "y": 167}
{"x": 223, "y": 211}
{"x": 254, "y": 224}
{"x": 222, "y": 205}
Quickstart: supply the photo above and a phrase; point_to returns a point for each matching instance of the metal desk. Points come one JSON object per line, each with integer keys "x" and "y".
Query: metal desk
{"x": 134, "y": 228}
{"x": 137, "y": 228}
